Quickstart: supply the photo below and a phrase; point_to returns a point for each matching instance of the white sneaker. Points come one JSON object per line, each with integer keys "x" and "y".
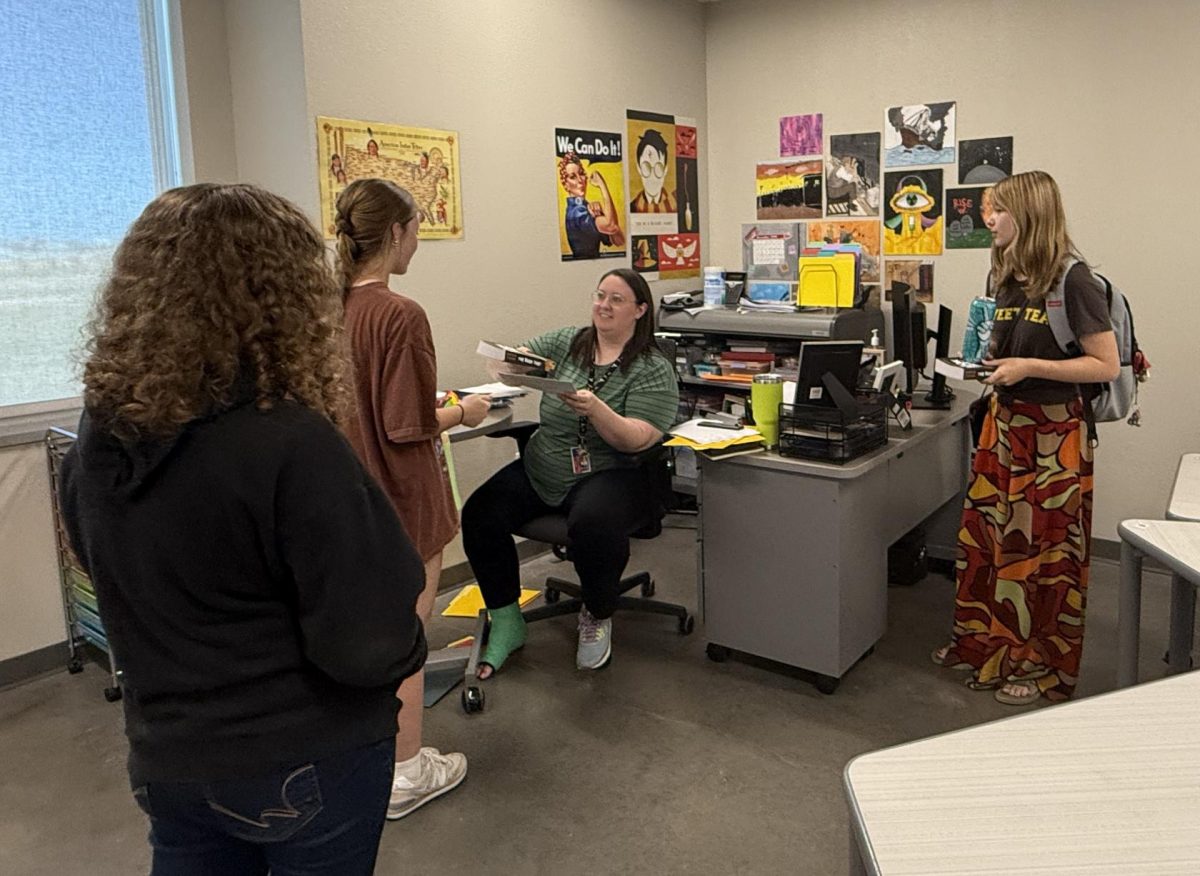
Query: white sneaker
{"x": 595, "y": 641}
{"x": 439, "y": 773}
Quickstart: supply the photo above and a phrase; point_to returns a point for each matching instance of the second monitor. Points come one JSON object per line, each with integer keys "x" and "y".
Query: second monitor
{"x": 818, "y": 358}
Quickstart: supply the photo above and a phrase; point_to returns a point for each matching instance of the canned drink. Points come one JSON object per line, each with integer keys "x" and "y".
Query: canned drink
{"x": 980, "y": 317}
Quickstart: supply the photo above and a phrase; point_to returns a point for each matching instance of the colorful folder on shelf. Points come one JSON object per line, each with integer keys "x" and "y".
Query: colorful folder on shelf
{"x": 827, "y": 280}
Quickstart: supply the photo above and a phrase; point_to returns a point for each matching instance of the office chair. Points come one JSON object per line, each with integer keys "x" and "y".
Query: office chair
{"x": 551, "y": 529}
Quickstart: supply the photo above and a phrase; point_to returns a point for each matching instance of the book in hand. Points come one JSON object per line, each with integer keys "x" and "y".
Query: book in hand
{"x": 960, "y": 369}
{"x": 513, "y": 356}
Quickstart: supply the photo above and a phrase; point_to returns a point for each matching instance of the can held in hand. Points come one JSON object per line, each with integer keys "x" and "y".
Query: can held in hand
{"x": 979, "y": 329}
{"x": 766, "y": 395}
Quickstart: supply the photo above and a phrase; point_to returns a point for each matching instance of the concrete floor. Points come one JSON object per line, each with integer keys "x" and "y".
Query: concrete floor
{"x": 664, "y": 763}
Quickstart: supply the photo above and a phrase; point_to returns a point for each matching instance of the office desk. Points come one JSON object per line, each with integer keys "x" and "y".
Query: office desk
{"x": 793, "y": 553}
{"x": 1100, "y": 785}
{"x": 495, "y": 420}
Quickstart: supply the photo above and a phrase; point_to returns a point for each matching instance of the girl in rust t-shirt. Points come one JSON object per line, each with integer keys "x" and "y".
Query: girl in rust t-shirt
{"x": 394, "y": 432}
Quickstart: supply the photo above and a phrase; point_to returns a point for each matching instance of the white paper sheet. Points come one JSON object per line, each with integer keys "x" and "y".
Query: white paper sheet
{"x": 495, "y": 390}
{"x": 544, "y": 384}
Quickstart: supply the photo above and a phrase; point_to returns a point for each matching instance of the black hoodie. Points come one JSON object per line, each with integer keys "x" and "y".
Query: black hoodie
{"x": 256, "y": 587}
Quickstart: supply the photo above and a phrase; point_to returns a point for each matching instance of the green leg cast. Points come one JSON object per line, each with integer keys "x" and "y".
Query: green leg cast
{"x": 507, "y": 634}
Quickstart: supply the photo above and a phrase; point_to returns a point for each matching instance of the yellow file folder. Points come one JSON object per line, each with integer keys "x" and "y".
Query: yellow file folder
{"x": 827, "y": 280}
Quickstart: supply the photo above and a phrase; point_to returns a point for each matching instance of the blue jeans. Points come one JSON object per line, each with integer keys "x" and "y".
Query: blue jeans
{"x": 324, "y": 817}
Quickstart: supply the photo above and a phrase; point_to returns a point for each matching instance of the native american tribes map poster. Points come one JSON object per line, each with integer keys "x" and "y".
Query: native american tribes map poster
{"x": 664, "y": 206}
{"x": 589, "y": 168}
{"x": 422, "y": 160}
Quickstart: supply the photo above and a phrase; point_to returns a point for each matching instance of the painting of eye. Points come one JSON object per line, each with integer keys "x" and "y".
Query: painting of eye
{"x": 912, "y": 201}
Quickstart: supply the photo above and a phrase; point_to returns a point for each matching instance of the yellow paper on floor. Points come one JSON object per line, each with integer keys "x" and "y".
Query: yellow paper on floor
{"x": 469, "y": 600}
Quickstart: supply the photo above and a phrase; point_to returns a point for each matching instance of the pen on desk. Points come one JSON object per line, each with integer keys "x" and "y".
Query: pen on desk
{"x": 715, "y": 424}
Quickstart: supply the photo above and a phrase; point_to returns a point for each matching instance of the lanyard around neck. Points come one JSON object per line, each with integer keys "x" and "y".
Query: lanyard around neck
{"x": 594, "y": 385}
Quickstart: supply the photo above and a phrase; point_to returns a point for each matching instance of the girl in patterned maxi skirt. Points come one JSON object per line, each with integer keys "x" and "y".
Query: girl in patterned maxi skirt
{"x": 1025, "y": 542}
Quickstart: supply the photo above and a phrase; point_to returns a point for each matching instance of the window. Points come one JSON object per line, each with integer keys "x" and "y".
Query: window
{"x": 86, "y": 91}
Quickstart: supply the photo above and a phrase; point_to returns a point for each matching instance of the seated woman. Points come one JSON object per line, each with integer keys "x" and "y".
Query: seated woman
{"x": 580, "y": 462}
{"x": 256, "y": 586}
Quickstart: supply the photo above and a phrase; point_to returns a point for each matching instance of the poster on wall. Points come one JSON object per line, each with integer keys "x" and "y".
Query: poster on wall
{"x": 921, "y": 133}
{"x": 852, "y": 180}
{"x": 801, "y": 135}
{"x": 664, "y": 206}
{"x": 966, "y": 211}
{"x": 917, "y": 274}
{"x": 422, "y": 160}
{"x": 864, "y": 232}
{"x": 787, "y": 189}
{"x": 983, "y": 162}
{"x": 912, "y": 212}
{"x": 591, "y": 194}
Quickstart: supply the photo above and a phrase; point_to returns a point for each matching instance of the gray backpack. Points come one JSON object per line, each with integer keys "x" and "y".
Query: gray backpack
{"x": 1117, "y": 399}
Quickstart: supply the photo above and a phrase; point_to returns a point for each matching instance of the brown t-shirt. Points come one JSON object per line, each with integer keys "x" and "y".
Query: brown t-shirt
{"x": 395, "y": 389}
{"x": 1021, "y": 330}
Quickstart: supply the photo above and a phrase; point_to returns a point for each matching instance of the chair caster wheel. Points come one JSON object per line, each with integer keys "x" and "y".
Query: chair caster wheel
{"x": 551, "y": 595}
{"x": 717, "y": 653}
{"x": 827, "y": 684}
{"x": 472, "y": 699}
{"x": 648, "y": 589}
{"x": 75, "y": 666}
{"x": 686, "y": 625}
{"x": 112, "y": 694}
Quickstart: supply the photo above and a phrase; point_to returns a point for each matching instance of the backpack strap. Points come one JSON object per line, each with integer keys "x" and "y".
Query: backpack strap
{"x": 1064, "y": 336}
{"x": 1056, "y": 313}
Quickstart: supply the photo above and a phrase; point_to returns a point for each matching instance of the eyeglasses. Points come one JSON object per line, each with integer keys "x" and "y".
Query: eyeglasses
{"x": 657, "y": 169}
{"x": 615, "y": 299}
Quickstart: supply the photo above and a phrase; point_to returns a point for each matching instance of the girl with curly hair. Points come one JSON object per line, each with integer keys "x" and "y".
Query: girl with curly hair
{"x": 395, "y": 429}
{"x": 256, "y": 586}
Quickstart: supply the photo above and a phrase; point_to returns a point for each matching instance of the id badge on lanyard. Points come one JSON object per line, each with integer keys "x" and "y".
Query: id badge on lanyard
{"x": 581, "y": 459}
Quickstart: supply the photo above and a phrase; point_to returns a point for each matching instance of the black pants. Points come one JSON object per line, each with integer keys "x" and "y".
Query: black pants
{"x": 602, "y": 511}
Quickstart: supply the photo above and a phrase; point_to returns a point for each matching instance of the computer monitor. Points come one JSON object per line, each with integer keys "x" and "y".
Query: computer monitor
{"x": 908, "y": 332}
{"x": 817, "y": 358}
{"x": 939, "y": 396}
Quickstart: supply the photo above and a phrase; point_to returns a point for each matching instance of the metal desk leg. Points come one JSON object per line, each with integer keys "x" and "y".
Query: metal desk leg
{"x": 1129, "y": 615}
{"x": 1183, "y": 619}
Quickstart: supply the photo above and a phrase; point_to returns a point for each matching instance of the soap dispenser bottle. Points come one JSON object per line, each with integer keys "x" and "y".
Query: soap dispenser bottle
{"x": 875, "y": 348}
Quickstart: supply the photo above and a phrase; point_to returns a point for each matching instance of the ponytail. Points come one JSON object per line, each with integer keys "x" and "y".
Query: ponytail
{"x": 366, "y": 210}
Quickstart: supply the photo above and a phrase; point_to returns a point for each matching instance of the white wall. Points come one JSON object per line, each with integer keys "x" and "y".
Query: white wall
{"x": 204, "y": 68}
{"x": 31, "y": 606}
{"x": 503, "y": 75}
{"x": 1100, "y": 93}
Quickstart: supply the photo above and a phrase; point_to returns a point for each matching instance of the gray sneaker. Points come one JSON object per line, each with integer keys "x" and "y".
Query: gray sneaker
{"x": 595, "y": 641}
{"x": 439, "y": 773}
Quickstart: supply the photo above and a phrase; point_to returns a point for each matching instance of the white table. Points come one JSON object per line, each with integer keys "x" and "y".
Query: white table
{"x": 1105, "y": 785}
{"x": 1184, "y": 505}
{"x": 1175, "y": 544}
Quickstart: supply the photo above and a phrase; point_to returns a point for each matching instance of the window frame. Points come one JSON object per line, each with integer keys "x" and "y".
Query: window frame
{"x": 166, "y": 99}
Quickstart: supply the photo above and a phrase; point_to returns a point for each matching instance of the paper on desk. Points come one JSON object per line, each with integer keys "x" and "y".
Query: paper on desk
{"x": 545, "y": 384}
{"x": 706, "y": 435}
{"x": 495, "y": 390}
{"x": 468, "y": 601}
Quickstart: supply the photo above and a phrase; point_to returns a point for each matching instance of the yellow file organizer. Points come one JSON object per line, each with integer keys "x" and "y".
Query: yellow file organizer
{"x": 827, "y": 280}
